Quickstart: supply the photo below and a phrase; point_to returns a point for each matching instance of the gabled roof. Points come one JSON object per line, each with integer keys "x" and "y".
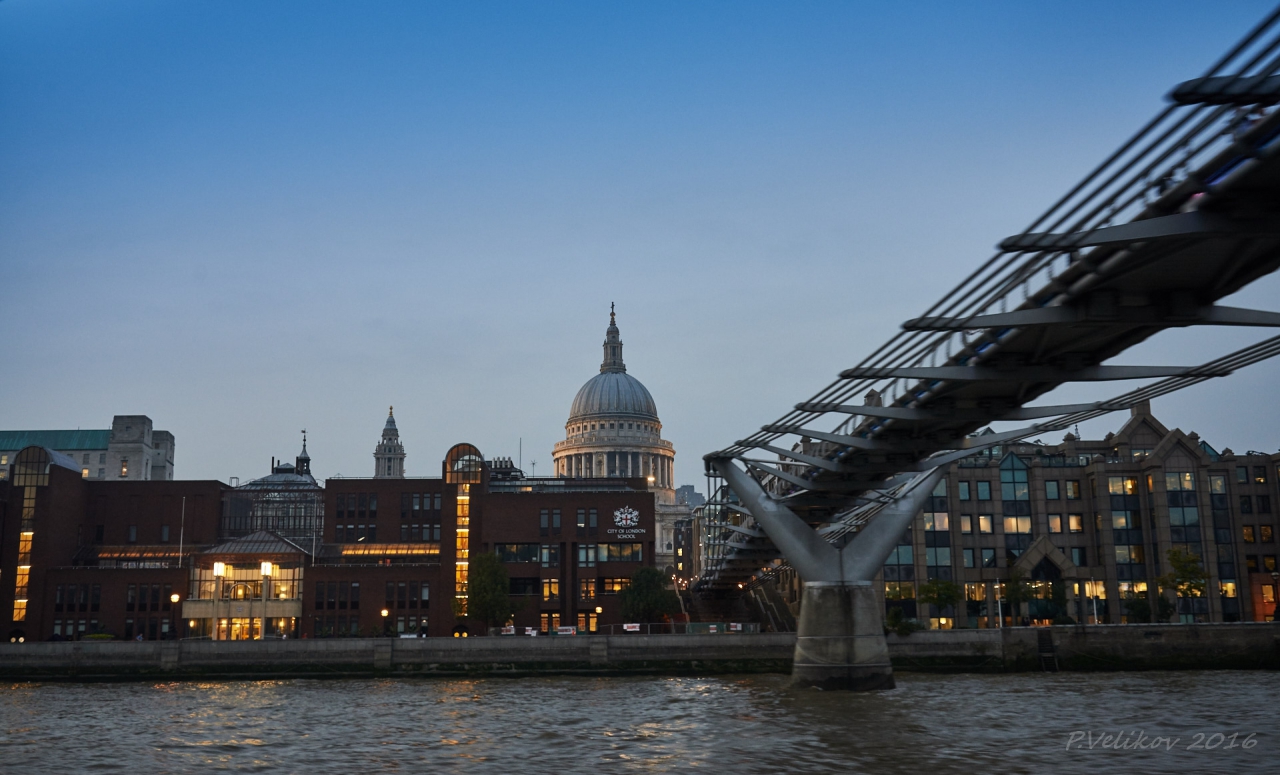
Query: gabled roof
{"x": 77, "y": 439}
{"x": 261, "y": 542}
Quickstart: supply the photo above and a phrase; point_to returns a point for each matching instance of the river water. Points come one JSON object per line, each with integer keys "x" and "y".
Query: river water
{"x": 975, "y": 724}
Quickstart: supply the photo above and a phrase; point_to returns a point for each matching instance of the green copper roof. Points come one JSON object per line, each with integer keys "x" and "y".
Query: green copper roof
{"x": 58, "y": 440}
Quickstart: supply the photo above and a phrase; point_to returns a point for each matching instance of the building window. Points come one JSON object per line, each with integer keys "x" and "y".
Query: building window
{"x": 964, "y": 490}
{"x": 988, "y": 558}
{"x": 621, "y": 552}
{"x": 1242, "y": 474}
{"x": 1055, "y": 523}
{"x": 984, "y": 491}
{"x": 899, "y": 590}
{"x": 1075, "y": 523}
{"x": 1078, "y": 556}
{"x": 124, "y": 468}
{"x": 968, "y": 558}
{"x": 1017, "y": 524}
{"x": 613, "y": 586}
{"x": 102, "y": 458}
{"x": 550, "y": 622}
{"x": 1251, "y": 563}
{"x": 966, "y": 524}
{"x": 985, "y": 523}
{"x": 551, "y": 555}
{"x": 102, "y": 473}
{"x": 84, "y": 473}
{"x": 1073, "y": 490}
{"x": 1264, "y": 504}
{"x": 1249, "y": 536}
{"x": 550, "y": 589}
{"x": 1268, "y": 593}
{"x": 133, "y": 534}
{"x": 517, "y": 552}
{"x": 1259, "y": 474}
{"x": 586, "y": 555}
{"x": 586, "y": 589}
{"x": 1051, "y": 491}
{"x": 1269, "y": 563}
{"x": 164, "y": 534}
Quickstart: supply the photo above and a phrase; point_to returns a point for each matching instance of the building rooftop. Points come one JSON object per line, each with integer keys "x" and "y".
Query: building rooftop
{"x": 62, "y": 440}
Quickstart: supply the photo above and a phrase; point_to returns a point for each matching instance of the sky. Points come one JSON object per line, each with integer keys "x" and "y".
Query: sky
{"x": 244, "y": 219}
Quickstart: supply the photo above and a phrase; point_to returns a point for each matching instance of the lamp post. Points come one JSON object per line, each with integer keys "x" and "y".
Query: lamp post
{"x": 173, "y": 614}
{"x": 385, "y": 621}
{"x": 219, "y": 573}
{"x": 266, "y": 584}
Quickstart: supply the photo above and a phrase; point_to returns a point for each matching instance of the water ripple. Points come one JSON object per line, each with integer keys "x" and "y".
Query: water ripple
{"x": 935, "y": 724}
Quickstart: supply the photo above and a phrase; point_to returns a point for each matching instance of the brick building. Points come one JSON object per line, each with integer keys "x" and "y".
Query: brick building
{"x": 154, "y": 559}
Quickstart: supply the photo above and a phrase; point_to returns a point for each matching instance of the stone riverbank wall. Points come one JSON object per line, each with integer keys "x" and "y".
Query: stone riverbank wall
{"x": 1107, "y": 647}
{"x": 1252, "y": 645}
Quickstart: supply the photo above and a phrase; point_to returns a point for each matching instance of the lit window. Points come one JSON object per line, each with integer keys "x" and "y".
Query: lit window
{"x": 966, "y": 524}
{"x": 1017, "y": 524}
{"x": 1073, "y": 490}
{"x": 1268, "y": 594}
{"x": 1227, "y": 588}
{"x": 1055, "y": 523}
{"x": 985, "y": 523}
{"x": 550, "y": 589}
{"x": 84, "y": 473}
{"x": 124, "y": 467}
{"x": 1075, "y": 523}
{"x": 1249, "y": 536}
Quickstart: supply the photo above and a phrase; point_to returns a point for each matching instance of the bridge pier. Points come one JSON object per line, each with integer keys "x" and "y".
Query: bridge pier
{"x": 840, "y": 640}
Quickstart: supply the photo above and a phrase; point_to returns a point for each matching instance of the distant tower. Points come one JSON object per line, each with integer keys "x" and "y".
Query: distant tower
{"x": 303, "y": 467}
{"x": 389, "y": 456}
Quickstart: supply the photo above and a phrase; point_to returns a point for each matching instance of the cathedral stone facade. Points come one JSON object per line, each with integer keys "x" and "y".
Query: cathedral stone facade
{"x": 614, "y": 431}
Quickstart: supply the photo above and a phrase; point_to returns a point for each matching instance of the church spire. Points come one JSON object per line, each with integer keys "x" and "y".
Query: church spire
{"x": 389, "y": 455}
{"x": 612, "y": 345}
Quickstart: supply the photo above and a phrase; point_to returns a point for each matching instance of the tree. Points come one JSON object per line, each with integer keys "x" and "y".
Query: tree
{"x": 1186, "y": 577}
{"x": 1138, "y": 607}
{"x": 1016, "y": 592}
{"x": 648, "y": 599}
{"x": 489, "y": 590}
{"x": 940, "y": 593}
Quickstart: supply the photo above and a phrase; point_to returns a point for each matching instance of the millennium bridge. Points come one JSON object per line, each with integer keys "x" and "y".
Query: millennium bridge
{"x": 1183, "y": 214}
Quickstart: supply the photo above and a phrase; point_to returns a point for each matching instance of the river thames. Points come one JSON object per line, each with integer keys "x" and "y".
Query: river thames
{"x": 1064, "y": 722}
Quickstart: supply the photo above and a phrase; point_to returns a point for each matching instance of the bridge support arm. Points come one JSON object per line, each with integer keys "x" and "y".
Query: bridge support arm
{"x": 812, "y": 557}
{"x": 865, "y": 554}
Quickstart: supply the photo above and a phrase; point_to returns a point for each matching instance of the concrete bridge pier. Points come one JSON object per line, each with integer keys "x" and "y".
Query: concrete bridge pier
{"x": 840, "y": 641}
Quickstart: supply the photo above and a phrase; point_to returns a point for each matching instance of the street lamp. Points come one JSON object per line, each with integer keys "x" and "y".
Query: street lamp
{"x": 173, "y": 614}
{"x": 266, "y": 584}
{"x": 385, "y": 621}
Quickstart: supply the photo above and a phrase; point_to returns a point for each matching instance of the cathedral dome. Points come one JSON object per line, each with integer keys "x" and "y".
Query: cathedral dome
{"x": 613, "y": 393}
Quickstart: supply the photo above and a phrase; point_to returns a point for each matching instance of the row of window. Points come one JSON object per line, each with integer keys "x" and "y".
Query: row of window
{"x": 351, "y": 534}
{"x": 1259, "y": 534}
{"x": 362, "y": 505}
{"x": 588, "y": 554}
{"x": 77, "y": 597}
{"x": 550, "y": 621}
{"x": 73, "y": 629}
{"x": 148, "y": 597}
{"x": 549, "y": 588}
{"x": 414, "y": 504}
{"x": 1264, "y": 563}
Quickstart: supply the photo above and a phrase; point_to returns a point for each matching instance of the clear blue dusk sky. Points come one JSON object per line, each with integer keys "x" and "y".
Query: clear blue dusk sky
{"x": 247, "y": 218}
